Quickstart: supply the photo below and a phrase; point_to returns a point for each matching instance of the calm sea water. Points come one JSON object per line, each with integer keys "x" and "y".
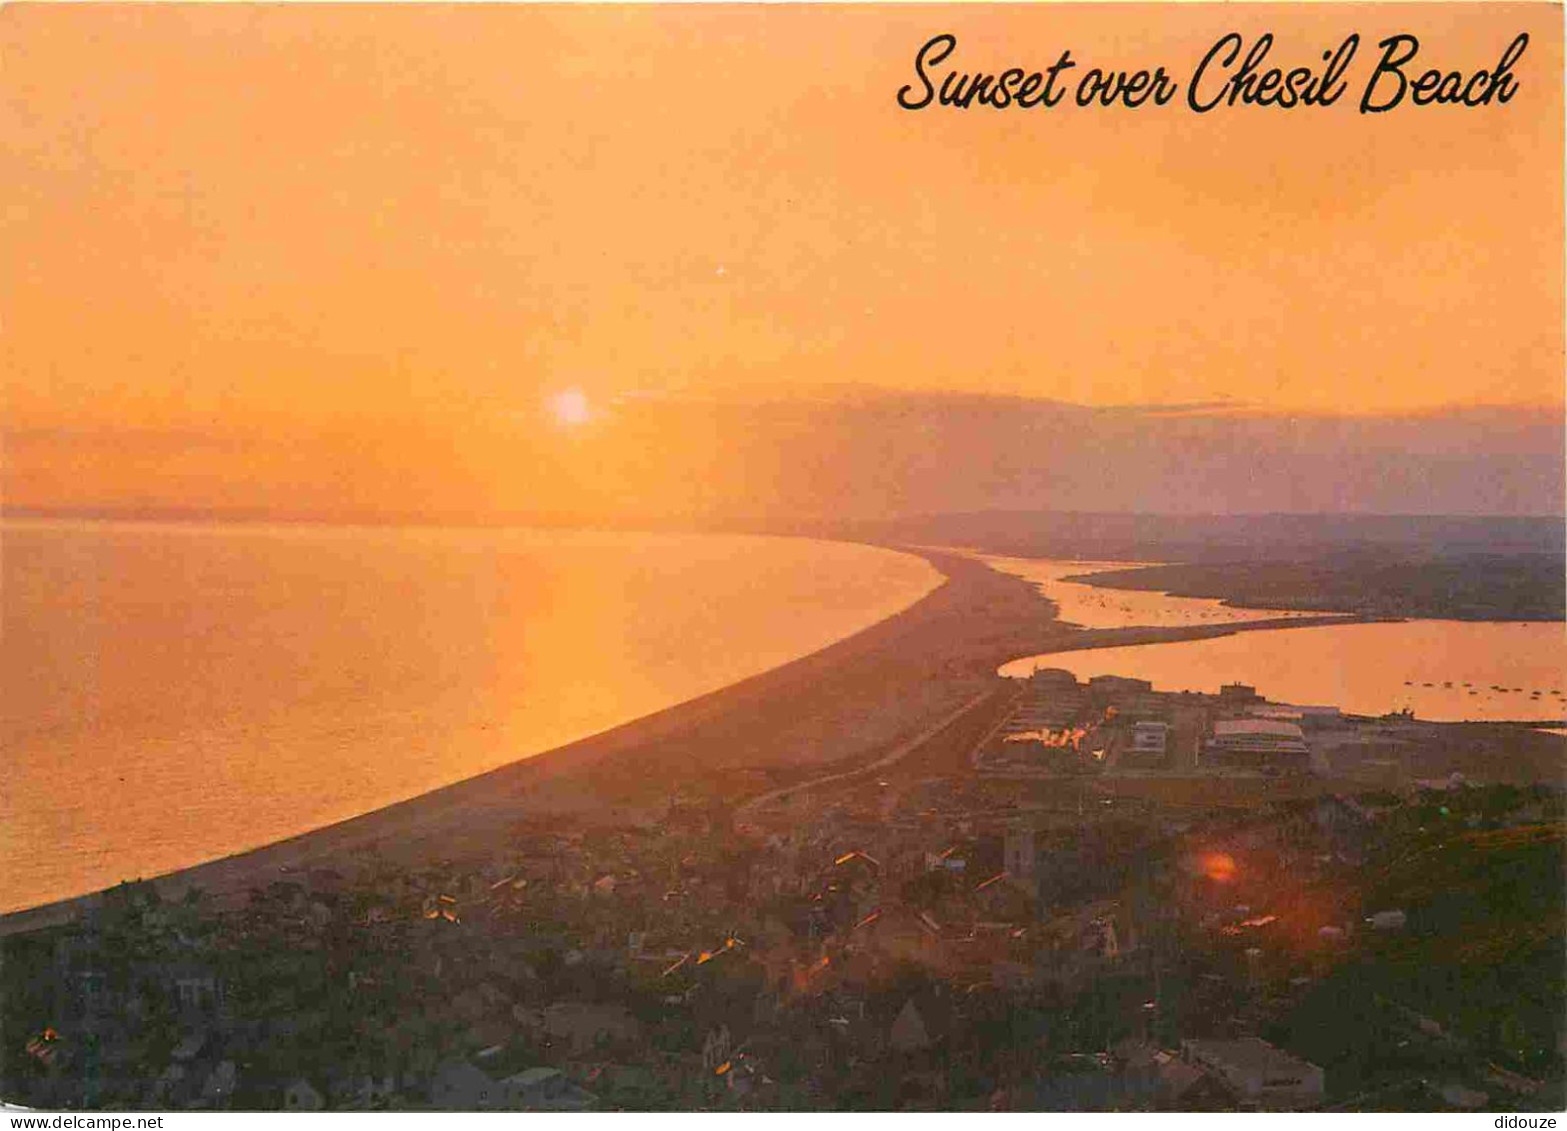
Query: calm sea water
{"x": 174, "y": 693}
{"x": 1445, "y": 671}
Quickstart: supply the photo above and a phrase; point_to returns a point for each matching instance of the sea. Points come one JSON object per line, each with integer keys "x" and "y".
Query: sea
{"x": 171, "y": 693}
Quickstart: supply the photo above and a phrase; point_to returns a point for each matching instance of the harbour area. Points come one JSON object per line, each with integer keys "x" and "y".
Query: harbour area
{"x": 1117, "y": 726}
{"x": 882, "y": 878}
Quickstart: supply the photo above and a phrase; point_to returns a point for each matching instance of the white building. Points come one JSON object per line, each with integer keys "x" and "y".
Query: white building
{"x": 1150, "y": 738}
{"x": 1257, "y": 742}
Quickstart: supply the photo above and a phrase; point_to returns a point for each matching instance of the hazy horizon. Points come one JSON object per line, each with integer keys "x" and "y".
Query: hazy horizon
{"x": 881, "y": 456}
{"x": 380, "y": 265}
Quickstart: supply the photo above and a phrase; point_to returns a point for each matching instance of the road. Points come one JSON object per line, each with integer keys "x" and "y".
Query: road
{"x": 891, "y": 758}
{"x": 979, "y": 747}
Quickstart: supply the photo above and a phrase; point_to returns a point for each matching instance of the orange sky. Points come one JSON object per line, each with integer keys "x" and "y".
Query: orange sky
{"x": 360, "y": 239}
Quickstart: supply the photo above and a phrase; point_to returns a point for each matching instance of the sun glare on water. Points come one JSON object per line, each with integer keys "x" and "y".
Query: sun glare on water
{"x": 570, "y": 407}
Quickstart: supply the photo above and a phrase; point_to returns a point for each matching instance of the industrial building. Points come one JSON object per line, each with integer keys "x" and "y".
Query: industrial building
{"x": 1114, "y": 686}
{"x": 1309, "y": 717}
{"x": 1238, "y": 695}
{"x": 1257, "y": 744}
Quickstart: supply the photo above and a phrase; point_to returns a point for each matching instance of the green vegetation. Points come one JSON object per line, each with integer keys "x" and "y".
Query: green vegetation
{"x": 1475, "y": 977}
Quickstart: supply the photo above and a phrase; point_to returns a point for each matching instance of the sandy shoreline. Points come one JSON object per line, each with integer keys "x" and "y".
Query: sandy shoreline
{"x": 844, "y": 704}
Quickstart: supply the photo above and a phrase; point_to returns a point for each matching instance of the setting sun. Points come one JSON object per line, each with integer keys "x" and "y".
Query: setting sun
{"x": 570, "y": 407}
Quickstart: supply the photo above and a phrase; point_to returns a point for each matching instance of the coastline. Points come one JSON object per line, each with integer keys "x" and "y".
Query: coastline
{"x": 842, "y": 706}
{"x": 640, "y": 761}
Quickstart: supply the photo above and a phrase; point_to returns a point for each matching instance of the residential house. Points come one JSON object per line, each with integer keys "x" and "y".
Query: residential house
{"x": 547, "y": 1089}
{"x": 364, "y": 1091}
{"x": 580, "y": 1026}
{"x": 301, "y": 1095}
{"x": 1258, "y": 1073}
{"x": 492, "y": 1081}
{"x": 217, "y": 1090}
{"x": 909, "y": 1031}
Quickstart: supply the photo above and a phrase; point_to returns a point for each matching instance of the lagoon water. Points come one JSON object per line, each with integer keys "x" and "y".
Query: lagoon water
{"x": 172, "y": 693}
{"x": 1088, "y": 606}
{"x": 1445, "y": 671}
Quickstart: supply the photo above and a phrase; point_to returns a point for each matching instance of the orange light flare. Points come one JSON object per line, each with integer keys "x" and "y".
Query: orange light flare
{"x": 1219, "y": 867}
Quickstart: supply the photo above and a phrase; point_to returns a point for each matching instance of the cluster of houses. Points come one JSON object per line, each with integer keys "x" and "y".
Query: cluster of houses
{"x": 686, "y": 964}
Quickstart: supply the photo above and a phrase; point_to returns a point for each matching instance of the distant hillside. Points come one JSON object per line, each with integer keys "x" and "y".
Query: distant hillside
{"x": 1459, "y": 567}
{"x": 1221, "y": 538}
{"x": 1463, "y": 587}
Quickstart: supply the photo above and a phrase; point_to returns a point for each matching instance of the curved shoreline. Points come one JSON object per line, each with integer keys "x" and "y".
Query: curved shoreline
{"x": 846, "y": 705}
{"x": 182, "y": 693}
{"x": 645, "y": 759}
{"x": 1090, "y": 638}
